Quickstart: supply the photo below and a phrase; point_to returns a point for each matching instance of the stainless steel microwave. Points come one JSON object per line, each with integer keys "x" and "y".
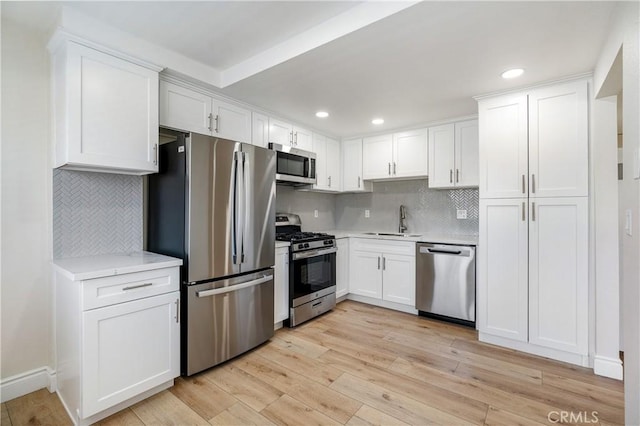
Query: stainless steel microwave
{"x": 294, "y": 166}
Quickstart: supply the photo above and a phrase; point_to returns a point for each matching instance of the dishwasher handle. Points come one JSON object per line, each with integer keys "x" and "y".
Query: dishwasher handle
{"x": 453, "y": 251}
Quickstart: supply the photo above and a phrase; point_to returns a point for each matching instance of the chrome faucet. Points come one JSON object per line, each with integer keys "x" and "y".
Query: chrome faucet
{"x": 402, "y": 228}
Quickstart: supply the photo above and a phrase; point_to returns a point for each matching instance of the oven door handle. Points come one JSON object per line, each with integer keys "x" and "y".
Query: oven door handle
{"x": 236, "y": 287}
{"x": 313, "y": 253}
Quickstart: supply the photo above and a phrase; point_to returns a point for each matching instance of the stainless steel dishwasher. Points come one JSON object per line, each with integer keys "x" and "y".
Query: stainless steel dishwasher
{"x": 446, "y": 282}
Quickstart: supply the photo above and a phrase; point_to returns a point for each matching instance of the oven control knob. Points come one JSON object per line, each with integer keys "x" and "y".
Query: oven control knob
{"x": 328, "y": 243}
{"x": 301, "y": 246}
{"x": 306, "y": 245}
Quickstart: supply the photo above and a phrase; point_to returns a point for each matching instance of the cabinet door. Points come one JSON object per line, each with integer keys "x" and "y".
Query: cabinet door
{"x": 503, "y": 146}
{"x": 231, "y": 122}
{"x": 112, "y": 113}
{"x": 127, "y": 349}
{"x": 377, "y": 154}
{"x": 558, "y": 273}
{"x": 260, "y": 130}
{"x": 280, "y": 132}
{"x": 281, "y": 285}
{"x": 441, "y": 156}
{"x": 410, "y": 154}
{"x": 466, "y": 154}
{"x": 302, "y": 138}
{"x": 558, "y": 141}
{"x": 502, "y": 268}
{"x": 342, "y": 267}
{"x": 365, "y": 273}
{"x": 352, "y": 166}
{"x": 332, "y": 159}
{"x": 185, "y": 109}
{"x": 399, "y": 279}
{"x": 320, "y": 148}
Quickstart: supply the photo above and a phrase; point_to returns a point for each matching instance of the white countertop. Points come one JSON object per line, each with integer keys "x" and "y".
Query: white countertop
{"x": 104, "y": 265}
{"x": 415, "y": 236}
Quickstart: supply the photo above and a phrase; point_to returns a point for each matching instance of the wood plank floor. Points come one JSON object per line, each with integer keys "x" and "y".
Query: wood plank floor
{"x": 364, "y": 365}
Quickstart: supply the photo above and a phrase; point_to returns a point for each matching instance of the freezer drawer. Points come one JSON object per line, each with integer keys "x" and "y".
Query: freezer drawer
{"x": 226, "y": 318}
{"x": 446, "y": 281}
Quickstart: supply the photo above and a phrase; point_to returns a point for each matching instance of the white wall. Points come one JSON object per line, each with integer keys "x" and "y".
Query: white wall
{"x": 25, "y": 287}
{"x": 625, "y": 32}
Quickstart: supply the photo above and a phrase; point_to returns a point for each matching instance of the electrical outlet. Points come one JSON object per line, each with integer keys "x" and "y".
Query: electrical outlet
{"x": 461, "y": 214}
{"x": 367, "y": 213}
{"x": 315, "y": 213}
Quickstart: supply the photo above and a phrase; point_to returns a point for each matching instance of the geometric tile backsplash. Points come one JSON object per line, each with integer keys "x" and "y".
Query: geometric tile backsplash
{"x": 96, "y": 213}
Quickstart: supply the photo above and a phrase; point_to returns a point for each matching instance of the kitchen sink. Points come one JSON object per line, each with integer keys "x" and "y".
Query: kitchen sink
{"x": 391, "y": 234}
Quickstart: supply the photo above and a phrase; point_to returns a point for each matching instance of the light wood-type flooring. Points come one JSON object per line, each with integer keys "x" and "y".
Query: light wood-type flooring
{"x": 362, "y": 365}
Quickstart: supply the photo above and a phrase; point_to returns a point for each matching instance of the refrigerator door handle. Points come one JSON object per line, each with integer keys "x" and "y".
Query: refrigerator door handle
{"x": 229, "y": 289}
{"x": 234, "y": 214}
{"x": 239, "y": 209}
{"x": 246, "y": 167}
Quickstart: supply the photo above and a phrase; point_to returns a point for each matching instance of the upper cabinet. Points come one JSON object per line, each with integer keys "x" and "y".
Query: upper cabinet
{"x": 287, "y": 134}
{"x": 453, "y": 155}
{"x": 327, "y": 163}
{"x": 535, "y": 143}
{"x": 401, "y": 155}
{"x": 193, "y": 111}
{"x": 259, "y": 129}
{"x": 352, "y": 180}
{"x": 105, "y": 111}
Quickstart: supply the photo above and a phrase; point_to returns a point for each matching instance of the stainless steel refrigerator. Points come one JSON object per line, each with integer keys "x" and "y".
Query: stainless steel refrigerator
{"x": 213, "y": 205}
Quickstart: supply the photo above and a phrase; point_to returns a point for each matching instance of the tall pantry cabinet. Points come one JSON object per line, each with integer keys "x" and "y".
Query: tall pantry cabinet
{"x": 533, "y": 261}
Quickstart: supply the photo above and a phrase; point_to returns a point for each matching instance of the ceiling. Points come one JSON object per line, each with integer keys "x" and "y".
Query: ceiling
{"x": 410, "y": 64}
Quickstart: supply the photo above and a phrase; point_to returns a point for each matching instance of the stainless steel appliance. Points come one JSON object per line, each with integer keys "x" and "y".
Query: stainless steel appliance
{"x": 213, "y": 205}
{"x": 446, "y": 282}
{"x": 294, "y": 166}
{"x": 312, "y": 269}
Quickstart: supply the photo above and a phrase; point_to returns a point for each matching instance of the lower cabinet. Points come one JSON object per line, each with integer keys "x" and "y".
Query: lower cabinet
{"x": 342, "y": 267}
{"x": 281, "y": 285}
{"x": 383, "y": 270}
{"x": 117, "y": 339}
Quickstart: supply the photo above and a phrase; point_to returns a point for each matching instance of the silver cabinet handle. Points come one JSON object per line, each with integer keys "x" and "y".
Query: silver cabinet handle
{"x": 389, "y": 169}
{"x": 450, "y": 175}
{"x": 457, "y": 175}
{"x": 178, "y": 311}
{"x": 524, "y": 185}
{"x": 132, "y": 287}
{"x": 296, "y": 139}
{"x": 329, "y": 181}
{"x": 378, "y": 262}
{"x": 384, "y": 263}
{"x": 533, "y": 184}
{"x": 217, "y": 123}
{"x": 523, "y": 210}
{"x": 291, "y": 140}
{"x": 236, "y": 287}
{"x": 394, "y": 167}
{"x": 155, "y": 154}
{"x": 358, "y": 181}
{"x": 533, "y": 212}
{"x": 210, "y": 127}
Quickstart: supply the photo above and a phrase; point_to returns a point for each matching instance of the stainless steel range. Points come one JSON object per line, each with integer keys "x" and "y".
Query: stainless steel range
{"x": 312, "y": 269}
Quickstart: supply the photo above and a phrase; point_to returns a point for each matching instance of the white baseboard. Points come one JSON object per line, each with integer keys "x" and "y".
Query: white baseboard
{"x": 382, "y": 303}
{"x": 27, "y": 382}
{"x": 607, "y": 367}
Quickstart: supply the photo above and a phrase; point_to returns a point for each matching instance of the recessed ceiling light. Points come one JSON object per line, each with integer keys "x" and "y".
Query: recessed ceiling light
{"x": 322, "y": 114}
{"x": 516, "y": 72}
{"x": 377, "y": 121}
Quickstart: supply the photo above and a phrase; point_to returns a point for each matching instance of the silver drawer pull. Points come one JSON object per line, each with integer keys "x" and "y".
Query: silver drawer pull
{"x": 131, "y": 287}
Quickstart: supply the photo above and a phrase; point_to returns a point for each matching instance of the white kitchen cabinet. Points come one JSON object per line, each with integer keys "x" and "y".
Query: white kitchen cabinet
{"x": 401, "y": 155}
{"x": 281, "y": 285}
{"x": 287, "y": 134}
{"x": 327, "y": 163}
{"x": 383, "y": 270}
{"x": 259, "y": 130}
{"x": 453, "y": 155}
{"x": 105, "y": 111}
{"x": 195, "y": 111}
{"x": 117, "y": 331}
{"x": 558, "y": 273}
{"x": 535, "y": 143}
{"x": 503, "y": 262}
{"x": 352, "y": 180}
{"x": 342, "y": 267}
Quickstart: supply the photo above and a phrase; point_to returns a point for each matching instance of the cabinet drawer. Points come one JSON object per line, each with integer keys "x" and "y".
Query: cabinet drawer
{"x": 385, "y": 246}
{"x": 123, "y": 288}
